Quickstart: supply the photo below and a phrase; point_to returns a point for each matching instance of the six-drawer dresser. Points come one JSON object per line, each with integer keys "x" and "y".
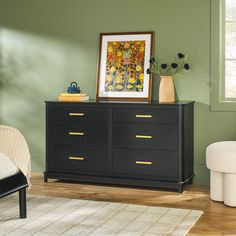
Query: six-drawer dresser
{"x": 136, "y": 144}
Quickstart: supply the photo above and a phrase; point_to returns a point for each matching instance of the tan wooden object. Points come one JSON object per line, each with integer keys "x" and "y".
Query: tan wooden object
{"x": 166, "y": 90}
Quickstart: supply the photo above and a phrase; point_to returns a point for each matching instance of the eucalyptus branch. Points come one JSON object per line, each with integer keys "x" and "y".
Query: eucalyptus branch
{"x": 156, "y": 67}
{"x": 172, "y": 71}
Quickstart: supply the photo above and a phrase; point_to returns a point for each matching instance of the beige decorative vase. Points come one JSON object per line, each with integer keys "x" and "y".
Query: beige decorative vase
{"x": 166, "y": 90}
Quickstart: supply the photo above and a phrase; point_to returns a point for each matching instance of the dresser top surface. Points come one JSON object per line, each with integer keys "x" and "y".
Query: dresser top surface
{"x": 177, "y": 103}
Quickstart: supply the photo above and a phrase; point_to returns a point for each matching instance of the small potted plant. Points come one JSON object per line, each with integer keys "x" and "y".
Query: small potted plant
{"x": 166, "y": 73}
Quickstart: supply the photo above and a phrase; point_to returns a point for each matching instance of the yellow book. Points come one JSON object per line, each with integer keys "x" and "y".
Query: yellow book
{"x": 73, "y": 99}
{"x": 73, "y": 94}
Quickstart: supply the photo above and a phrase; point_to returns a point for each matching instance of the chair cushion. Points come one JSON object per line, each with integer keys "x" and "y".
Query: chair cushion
{"x": 7, "y": 167}
{"x": 221, "y": 156}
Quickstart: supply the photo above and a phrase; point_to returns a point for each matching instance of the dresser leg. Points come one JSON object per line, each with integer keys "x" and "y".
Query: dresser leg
{"x": 180, "y": 189}
{"x": 45, "y": 178}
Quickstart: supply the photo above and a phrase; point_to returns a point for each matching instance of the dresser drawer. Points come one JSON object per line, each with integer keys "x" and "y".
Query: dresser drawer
{"x": 78, "y": 133}
{"x": 145, "y": 163}
{"x": 147, "y": 136}
{"x": 78, "y": 113}
{"x": 146, "y": 115}
{"x": 76, "y": 159}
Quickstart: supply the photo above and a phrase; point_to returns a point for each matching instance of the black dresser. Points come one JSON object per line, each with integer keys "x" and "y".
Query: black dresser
{"x": 136, "y": 144}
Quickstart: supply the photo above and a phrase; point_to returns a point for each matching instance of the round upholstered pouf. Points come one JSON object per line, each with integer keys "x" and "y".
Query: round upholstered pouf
{"x": 221, "y": 160}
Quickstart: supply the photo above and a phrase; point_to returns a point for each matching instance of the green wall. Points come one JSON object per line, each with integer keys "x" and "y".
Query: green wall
{"x": 48, "y": 43}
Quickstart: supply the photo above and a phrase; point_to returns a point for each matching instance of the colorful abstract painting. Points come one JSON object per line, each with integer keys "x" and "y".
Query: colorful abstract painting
{"x": 125, "y": 66}
{"x": 122, "y": 67}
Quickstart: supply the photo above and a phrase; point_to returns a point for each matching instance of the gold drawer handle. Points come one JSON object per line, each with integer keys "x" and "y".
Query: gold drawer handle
{"x": 144, "y": 136}
{"x": 76, "y": 114}
{"x": 143, "y": 162}
{"x": 143, "y": 116}
{"x": 77, "y": 133}
{"x": 77, "y": 158}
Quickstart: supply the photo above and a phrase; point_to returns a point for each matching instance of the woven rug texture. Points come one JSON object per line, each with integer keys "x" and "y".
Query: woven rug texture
{"x": 51, "y": 216}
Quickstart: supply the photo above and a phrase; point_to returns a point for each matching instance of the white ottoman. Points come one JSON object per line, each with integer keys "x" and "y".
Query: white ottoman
{"x": 221, "y": 160}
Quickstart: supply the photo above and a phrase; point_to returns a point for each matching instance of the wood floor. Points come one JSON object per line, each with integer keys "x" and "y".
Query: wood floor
{"x": 217, "y": 219}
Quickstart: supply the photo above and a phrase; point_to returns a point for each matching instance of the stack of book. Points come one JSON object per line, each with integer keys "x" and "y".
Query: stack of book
{"x": 73, "y": 97}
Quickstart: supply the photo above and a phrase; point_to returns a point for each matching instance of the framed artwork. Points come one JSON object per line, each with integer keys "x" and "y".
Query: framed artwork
{"x": 123, "y": 62}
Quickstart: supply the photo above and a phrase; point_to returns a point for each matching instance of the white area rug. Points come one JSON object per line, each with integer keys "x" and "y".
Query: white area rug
{"x": 60, "y": 216}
